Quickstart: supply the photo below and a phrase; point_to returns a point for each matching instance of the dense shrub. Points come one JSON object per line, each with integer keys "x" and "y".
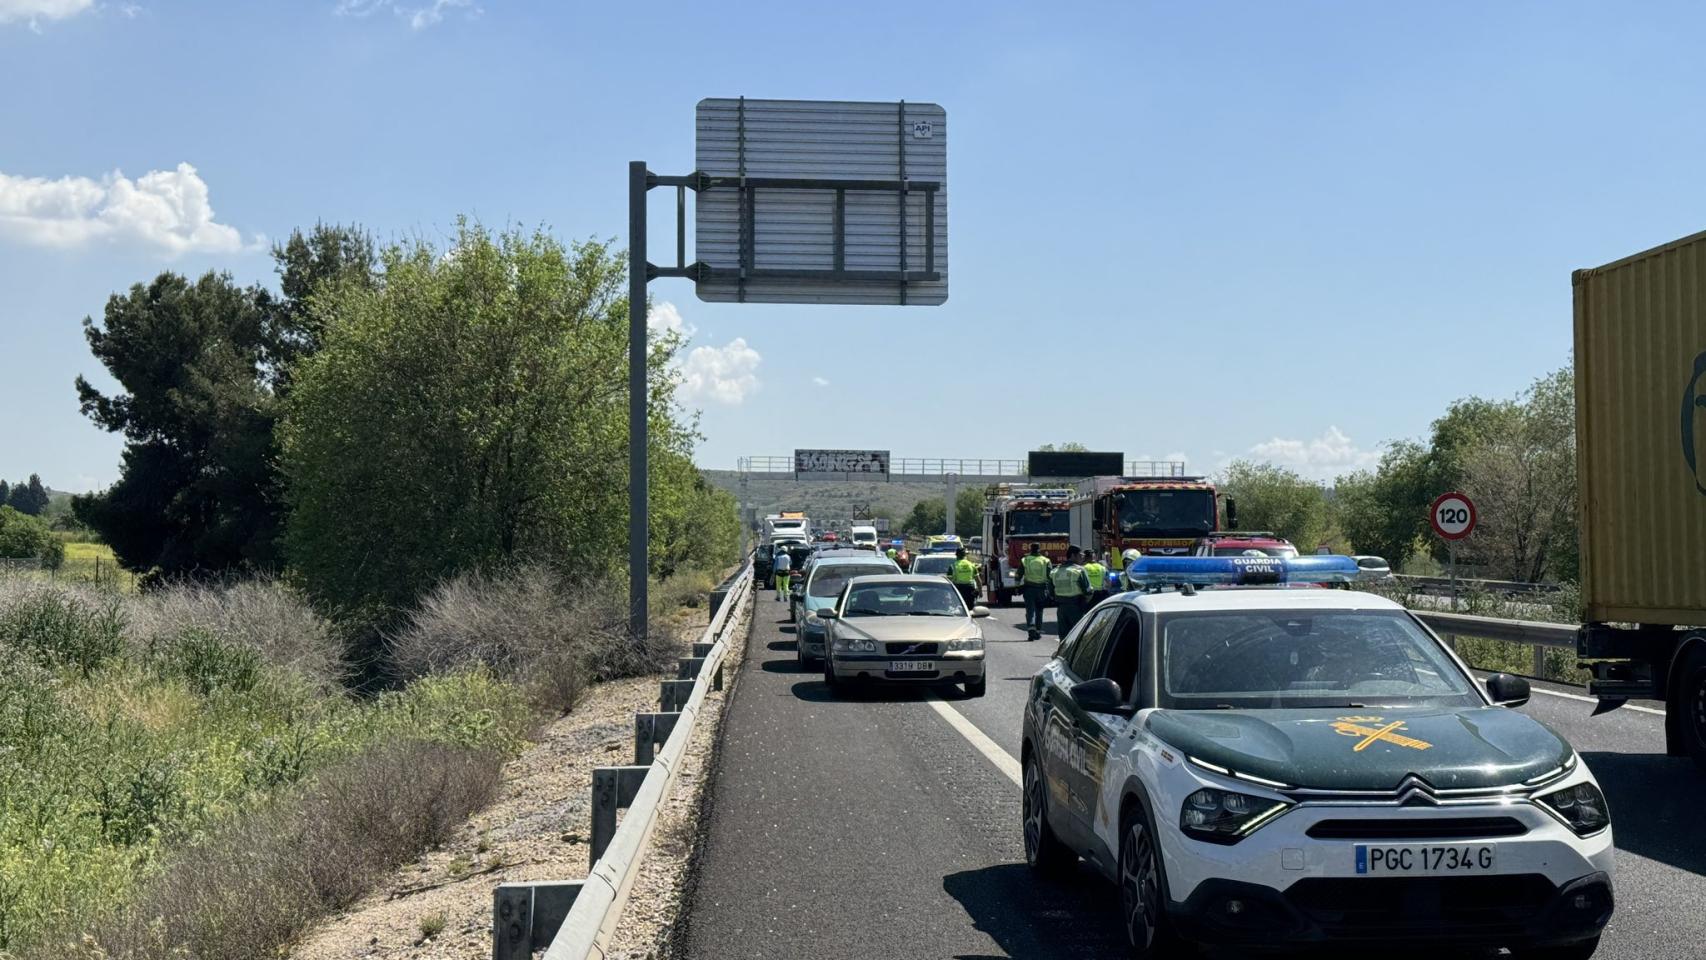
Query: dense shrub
{"x": 60, "y": 627}
{"x": 263, "y": 616}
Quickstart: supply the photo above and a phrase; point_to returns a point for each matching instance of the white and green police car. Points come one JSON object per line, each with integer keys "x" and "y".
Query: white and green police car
{"x": 1305, "y": 766}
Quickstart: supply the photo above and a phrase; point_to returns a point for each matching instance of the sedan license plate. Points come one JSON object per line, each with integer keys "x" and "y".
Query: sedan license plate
{"x": 1420, "y": 860}
{"x": 912, "y": 666}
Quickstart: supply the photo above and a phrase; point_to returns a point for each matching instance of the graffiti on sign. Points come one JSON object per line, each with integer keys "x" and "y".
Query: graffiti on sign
{"x": 842, "y": 461}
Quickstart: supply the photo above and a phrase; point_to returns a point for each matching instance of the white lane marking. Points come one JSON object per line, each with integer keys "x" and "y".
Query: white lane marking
{"x": 989, "y": 748}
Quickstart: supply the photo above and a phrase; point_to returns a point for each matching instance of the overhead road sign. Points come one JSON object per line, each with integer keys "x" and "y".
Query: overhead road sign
{"x": 821, "y": 201}
{"x": 1054, "y": 463}
{"x": 1452, "y": 516}
{"x": 875, "y": 462}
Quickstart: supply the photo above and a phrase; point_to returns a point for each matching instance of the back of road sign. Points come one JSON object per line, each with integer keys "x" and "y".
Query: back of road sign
{"x": 821, "y": 201}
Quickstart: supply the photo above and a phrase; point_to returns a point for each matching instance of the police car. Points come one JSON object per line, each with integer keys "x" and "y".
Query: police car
{"x": 1305, "y": 766}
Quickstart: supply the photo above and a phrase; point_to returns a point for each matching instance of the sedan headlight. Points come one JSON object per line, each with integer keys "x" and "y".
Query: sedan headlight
{"x": 1582, "y": 806}
{"x": 855, "y": 645}
{"x": 1221, "y": 816}
{"x": 965, "y": 643}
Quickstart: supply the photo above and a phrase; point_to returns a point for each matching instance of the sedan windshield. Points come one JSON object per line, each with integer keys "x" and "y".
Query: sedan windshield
{"x": 828, "y": 581}
{"x": 1251, "y": 659}
{"x": 904, "y": 600}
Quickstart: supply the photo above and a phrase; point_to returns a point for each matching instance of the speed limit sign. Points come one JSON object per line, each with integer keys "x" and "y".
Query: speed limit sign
{"x": 1452, "y": 516}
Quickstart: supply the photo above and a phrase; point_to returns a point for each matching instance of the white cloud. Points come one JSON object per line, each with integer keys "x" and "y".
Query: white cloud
{"x": 665, "y": 317}
{"x": 726, "y": 374}
{"x": 820, "y": 381}
{"x": 418, "y": 17}
{"x": 33, "y": 12}
{"x": 167, "y": 210}
{"x": 1322, "y": 458}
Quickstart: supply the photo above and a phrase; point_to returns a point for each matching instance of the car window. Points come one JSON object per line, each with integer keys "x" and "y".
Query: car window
{"x": 928, "y": 565}
{"x": 1123, "y": 660}
{"x": 1087, "y": 651}
{"x": 827, "y": 581}
{"x": 1248, "y": 659}
{"x": 903, "y": 600}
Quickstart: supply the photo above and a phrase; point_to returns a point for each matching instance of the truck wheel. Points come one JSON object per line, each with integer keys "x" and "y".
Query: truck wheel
{"x": 1690, "y": 702}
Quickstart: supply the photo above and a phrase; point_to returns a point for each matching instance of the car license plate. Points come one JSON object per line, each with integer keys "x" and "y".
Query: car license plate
{"x": 912, "y": 666}
{"x": 1424, "y": 859}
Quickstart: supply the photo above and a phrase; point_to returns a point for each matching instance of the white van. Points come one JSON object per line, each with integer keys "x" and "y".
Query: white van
{"x": 864, "y": 538}
{"x": 783, "y": 527}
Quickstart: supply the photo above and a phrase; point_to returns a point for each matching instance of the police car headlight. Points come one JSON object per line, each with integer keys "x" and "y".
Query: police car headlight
{"x": 1221, "y": 816}
{"x": 965, "y": 643}
{"x": 1582, "y": 806}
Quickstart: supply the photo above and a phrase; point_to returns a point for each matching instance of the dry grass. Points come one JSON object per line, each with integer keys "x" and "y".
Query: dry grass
{"x": 253, "y": 885}
{"x": 265, "y": 616}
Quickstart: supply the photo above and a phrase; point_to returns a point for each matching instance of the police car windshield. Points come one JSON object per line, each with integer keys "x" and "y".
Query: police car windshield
{"x": 904, "y": 600}
{"x": 936, "y": 563}
{"x": 1265, "y": 659}
{"x": 1166, "y": 512}
{"x": 1031, "y": 523}
{"x": 827, "y": 581}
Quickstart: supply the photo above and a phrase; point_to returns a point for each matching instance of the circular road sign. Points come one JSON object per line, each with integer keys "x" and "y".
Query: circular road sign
{"x": 1452, "y": 516}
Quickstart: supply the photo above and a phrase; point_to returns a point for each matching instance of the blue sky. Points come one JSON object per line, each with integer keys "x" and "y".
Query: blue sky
{"x": 1288, "y": 231}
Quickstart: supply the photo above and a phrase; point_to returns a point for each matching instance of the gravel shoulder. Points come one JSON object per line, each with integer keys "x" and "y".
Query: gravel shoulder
{"x": 439, "y": 906}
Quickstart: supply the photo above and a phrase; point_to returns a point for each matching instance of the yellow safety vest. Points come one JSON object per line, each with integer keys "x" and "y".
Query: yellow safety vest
{"x": 1096, "y": 573}
{"x": 964, "y": 571}
{"x": 1066, "y": 580}
{"x": 1035, "y": 567}
{"x": 891, "y": 553}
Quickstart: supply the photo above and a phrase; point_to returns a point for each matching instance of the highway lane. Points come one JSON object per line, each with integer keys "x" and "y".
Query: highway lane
{"x": 872, "y": 827}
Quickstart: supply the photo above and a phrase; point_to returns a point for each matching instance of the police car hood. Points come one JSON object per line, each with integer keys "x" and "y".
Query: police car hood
{"x": 1368, "y": 749}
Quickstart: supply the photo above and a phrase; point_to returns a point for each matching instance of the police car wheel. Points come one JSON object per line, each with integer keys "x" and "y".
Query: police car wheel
{"x": 1044, "y": 852}
{"x": 1140, "y": 891}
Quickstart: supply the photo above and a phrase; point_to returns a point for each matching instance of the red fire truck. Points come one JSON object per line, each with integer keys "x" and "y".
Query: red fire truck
{"x": 1156, "y": 515}
{"x": 1014, "y": 517}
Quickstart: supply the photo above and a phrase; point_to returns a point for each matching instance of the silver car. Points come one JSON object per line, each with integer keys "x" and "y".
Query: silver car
{"x": 905, "y": 628}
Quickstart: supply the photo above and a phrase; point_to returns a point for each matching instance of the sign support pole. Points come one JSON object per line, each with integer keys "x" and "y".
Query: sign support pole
{"x": 639, "y": 531}
{"x": 1451, "y": 561}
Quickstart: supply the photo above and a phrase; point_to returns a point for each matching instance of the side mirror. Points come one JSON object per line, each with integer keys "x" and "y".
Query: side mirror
{"x": 979, "y": 612}
{"x": 1231, "y": 514}
{"x": 827, "y": 613}
{"x": 1506, "y": 690}
{"x": 1100, "y": 695}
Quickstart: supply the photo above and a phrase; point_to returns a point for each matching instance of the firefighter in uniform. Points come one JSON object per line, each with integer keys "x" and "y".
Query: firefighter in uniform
{"x": 1033, "y": 583}
{"x": 964, "y": 576}
{"x": 1071, "y": 592}
{"x": 1097, "y": 574}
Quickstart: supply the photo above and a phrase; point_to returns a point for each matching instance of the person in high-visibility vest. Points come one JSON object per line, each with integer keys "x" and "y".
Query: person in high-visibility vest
{"x": 1097, "y": 574}
{"x": 1033, "y": 584}
{"x": 784, "y": 565}
{"x": 891, "y": 554}
{"x": 963, "y": 575}
{"x": 1071, "y": 592}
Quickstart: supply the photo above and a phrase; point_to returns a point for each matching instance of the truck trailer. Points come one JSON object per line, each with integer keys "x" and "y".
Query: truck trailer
{"x": 1640, "y": 359}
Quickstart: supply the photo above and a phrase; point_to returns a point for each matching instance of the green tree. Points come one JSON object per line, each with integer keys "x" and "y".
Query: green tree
{"x": 928, "y": 516}
{"x": 1523, "y": 481}
{"x": 469, "y": 412}
{"x": 21, "y": 535}
{"x": 1273, "y": 498}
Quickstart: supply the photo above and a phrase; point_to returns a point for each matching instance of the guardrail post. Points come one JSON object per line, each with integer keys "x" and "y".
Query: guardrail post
{"x": 702, "y": 649}
{"x": 1539, "y": 661}
{"x": 527, "y": 916}
{"x": 613, "y": 789}
{"x": 651, "y": 729}
{"x": 674, "y": 693}
{"x": 717, "y": 679}
{"x": 687, "y": 668}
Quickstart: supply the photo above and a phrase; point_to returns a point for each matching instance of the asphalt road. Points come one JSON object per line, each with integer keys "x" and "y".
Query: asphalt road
{"x": 874, "y": 827}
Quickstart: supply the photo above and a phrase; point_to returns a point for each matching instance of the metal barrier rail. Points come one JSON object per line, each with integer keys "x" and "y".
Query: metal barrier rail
{"x": 574, "y": 919}
{"x": 1441, "y": 586}
{"x": 1537, "y": 634}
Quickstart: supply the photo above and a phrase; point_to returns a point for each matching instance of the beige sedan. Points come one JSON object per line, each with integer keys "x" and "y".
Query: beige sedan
{"x": 903, "y": 628}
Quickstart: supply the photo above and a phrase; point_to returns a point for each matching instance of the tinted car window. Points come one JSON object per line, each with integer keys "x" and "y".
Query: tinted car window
{"x": 1087, "y": 651}
{"x": 1123, "y": 661}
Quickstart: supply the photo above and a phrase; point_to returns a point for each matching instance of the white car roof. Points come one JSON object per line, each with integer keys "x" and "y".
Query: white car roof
{"x": 1258, "y": 598}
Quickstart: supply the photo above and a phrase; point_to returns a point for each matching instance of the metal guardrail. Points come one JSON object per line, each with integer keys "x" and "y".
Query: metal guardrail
{"x": 1535, "y": 633}
{"x": 1441, "y": 586}
{"x": 574, "y": 919}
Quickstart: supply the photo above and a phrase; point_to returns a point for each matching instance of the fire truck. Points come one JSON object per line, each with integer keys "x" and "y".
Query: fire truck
{"x": 1014, "y": 517}
{"x": 1157, "y": 515}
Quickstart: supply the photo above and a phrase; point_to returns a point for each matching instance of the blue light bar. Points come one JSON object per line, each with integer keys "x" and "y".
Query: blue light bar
{"x": 1247, "y": 571}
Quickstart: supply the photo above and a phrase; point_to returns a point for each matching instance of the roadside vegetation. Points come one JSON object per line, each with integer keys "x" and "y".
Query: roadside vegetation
{"x": 371, "y": 526}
